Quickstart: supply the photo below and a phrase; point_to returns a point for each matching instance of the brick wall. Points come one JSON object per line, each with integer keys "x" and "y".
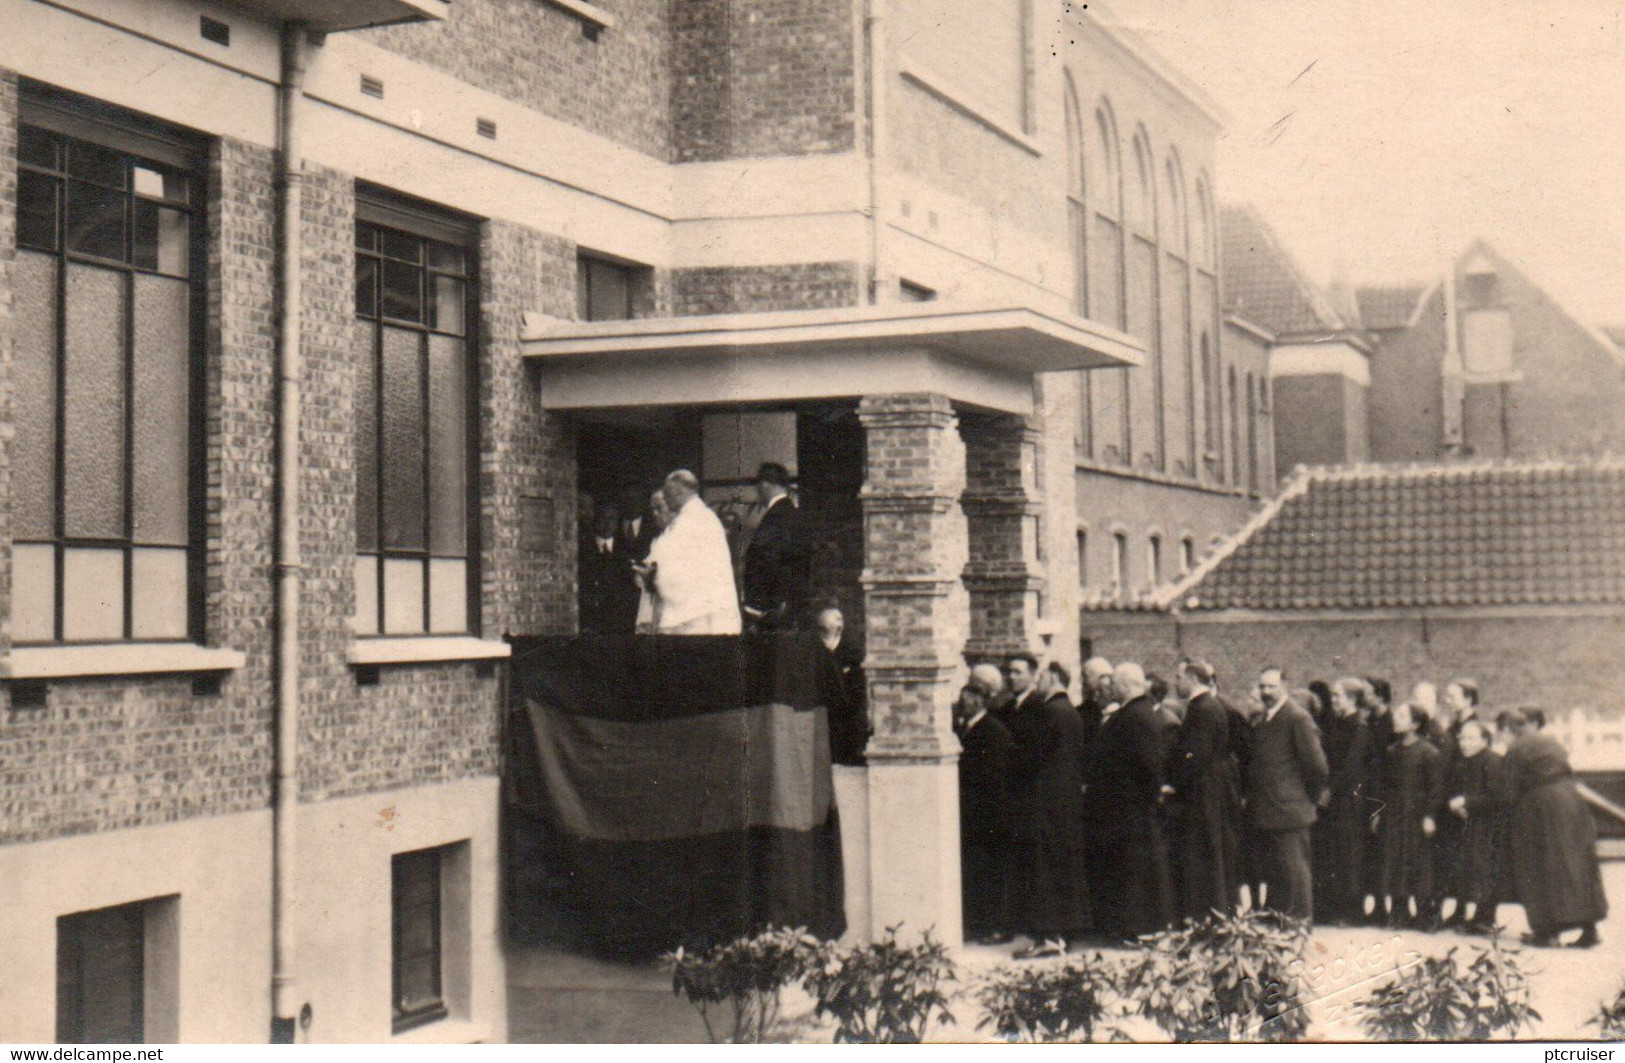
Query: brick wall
{"x": 1142, "y": 507}
{"x": 1552, "y": 661}
{"x": 106, "y": 754}
{"x": 535, "y": 53}
{"x": 8, "y": 254}
{"x": 742, "y": 289}
{"x": 755, "y": 78}
{"x": 527, "y": 457}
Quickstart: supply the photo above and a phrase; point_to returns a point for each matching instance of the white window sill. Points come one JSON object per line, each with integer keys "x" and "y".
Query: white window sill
{"x": 117, "y": 658}
{"x": 445, "y": 1032}
{"x": 415, "y": 649}
{"x": 587, "y": 12}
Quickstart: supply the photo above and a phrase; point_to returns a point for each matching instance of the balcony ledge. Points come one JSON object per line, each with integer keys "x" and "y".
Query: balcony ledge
{"x": 336, "y": 16}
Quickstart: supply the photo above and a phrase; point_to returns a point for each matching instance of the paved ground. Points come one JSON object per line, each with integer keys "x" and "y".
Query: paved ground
{"x": 556, "y": 998}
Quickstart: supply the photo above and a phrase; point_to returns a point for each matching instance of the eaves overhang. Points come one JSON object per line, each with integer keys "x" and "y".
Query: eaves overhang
{"x": 336, "y": 16}
{"x": 983, "y": 356}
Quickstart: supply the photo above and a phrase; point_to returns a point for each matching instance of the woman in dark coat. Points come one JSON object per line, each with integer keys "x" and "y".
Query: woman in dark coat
{"x": 1553, "y": 841}
{"x": 1478, "y": 802}
{"x": 1379, "y": 722}
{"x": 1340, "y": 832}
{"x": 1412, "y": 793}
{"x": 1049, "y": 891}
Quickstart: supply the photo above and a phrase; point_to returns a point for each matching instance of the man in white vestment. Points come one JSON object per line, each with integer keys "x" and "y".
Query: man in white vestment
{"x": 690, "y": 567}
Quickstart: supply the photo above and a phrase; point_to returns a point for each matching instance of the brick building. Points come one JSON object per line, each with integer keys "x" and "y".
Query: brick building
{"x": 312, "y": 332}
{"x": 1511, "y": 573}
{"x": 1484, "y": 362}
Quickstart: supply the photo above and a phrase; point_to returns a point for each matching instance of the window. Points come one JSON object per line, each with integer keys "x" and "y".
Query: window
{"x": 1235, "y": 432}
{"x": 1202, "y": 242}
{"x": 1213, "y": 437}
{"x": 415, "y": 568}
{"x": 116, "y": 974}
{"x": 604, "y": 289}
{"x": 1252, "y": 434}
{"x": 1119, "y": 563}
{"x": 107, "y": 303}
{"x": 1083, "y": 559}
{"x": 1187, "y": 555}
{"x": 1488, "y": 340}
{"x": 1175, "y": 227}
{"x": 416, "y": 962}
{"x": 1153, "y": 562}
{"x": 1140, "y": 190}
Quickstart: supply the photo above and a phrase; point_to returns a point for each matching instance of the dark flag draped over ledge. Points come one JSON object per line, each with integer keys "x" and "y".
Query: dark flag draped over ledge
{"x": 666, "y": 790}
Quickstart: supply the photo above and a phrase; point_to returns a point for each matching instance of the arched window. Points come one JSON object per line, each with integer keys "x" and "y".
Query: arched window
{"x": 1187, "y": 555}
{"x": 1077, "y": 222}
{"x": 1175, "y": 220}
{"x": 1214, "y": 436}
{"x": 1235, "y": 432}
{"x": 1202, "y": 237}
{"x": 1139, "y": 191}
{"x": 1119, "y": 563}
{"x": 1108, "y": 182}
{"x": 1083, "y": 557}
{"x": 1252, "y": 434}
{"x": 1153, "y": 562}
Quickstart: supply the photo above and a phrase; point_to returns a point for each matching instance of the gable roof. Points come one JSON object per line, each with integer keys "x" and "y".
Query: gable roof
{"x": 1385, "y": 537}
{"x": 1384, "y": 307}
{"x": 1264, "y": 283}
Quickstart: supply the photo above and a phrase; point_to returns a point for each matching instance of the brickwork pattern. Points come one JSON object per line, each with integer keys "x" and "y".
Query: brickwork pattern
{"x": 745, "y": 289}
{"x": 1547, "y": 660}
{"x": 916, "y": 544}
{"x": 1002, "y": 503}
{"x": 755, "y": 78}
{"x": 110, "y": 754}
{"x": 535, "y": 53}
{"x": 527, "y": 456}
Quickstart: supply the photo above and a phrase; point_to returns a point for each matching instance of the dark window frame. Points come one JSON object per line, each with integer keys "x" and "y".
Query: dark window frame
{"x": 383, "y": 212}
{"x": 80, "y": 936}
{"x": 75, "y": 123}
{"x": 430, "y": 863}
{"x": 587, "y": 265}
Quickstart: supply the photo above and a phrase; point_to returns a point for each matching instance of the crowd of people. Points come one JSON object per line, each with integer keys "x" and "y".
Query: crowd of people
{"x": 1149, "y": 803}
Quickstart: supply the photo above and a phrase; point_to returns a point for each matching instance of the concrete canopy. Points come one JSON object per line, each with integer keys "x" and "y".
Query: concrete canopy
{"x": 333, "y": 16}
{"x": 977, "y": 355}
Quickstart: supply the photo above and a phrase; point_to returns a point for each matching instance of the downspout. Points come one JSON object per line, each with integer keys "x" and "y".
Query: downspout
{"x": 285, "y": 795}
{"x": 875, "y": 24}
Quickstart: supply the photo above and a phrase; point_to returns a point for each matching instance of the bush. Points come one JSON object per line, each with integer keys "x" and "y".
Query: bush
{"x": 748, "y": 974}
{"x": 1436, "y": 999}
{"x": 1064, "y": 1002}
{"x": 1224, "y": 978}
{"x": 1611, "y": 1018}
{"x": 884, "y": 993}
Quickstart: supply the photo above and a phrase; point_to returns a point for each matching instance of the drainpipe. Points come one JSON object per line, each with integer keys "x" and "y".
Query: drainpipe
{"x": 875, "y": 23}
{"x": 285, "y": 795}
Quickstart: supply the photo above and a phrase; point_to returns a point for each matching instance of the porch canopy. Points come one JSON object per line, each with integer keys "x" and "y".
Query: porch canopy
{"x": 982, "y": 356}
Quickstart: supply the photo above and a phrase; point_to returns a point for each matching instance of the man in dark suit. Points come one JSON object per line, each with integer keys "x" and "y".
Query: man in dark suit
{"x": 844, "y": 688}
{"x": 609, "y": 594}
{"x": 775, "y": 570}
{"x": 1285, "y": 776}
{"x": 1202, "y": 842}
{"x": 1049, "y": 889}
{"x": 1127, "y": 856}
{"x": 1097, "y": 695}
{"x": 984, "y": 816}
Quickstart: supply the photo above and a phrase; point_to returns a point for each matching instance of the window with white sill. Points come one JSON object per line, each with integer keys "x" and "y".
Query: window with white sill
{"x": 415, "y": 482}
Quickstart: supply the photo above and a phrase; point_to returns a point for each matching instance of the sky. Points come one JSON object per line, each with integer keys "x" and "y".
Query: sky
{"x": 1381, "y": 136}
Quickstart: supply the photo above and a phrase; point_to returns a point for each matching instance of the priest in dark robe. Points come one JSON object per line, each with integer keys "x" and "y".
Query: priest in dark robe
{"x": 1380, "y": 725}
{"x": 1123, "y": 808}
{"x": 1345, "y": 807}
{"x": 1201, "y": 843}
{"x": 1049, "y": 889}
{"x": 1412, "y": 795}
{"x": 1097, "y": 696}
{"x": 1477, "y": 801}
{"x": 984, "y": 816}
{"x": 1553, "y": 841}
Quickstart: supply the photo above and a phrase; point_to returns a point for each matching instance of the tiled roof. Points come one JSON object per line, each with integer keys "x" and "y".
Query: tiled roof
{"x": 1388, "y": 307}
{"x": 1263, "y": 283}
{"x": 1384, "y": 537}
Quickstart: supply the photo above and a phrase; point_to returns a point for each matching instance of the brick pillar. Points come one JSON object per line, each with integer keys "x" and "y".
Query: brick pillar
{"x": 1002, "y": 501}
{"x": 915, "y": 545}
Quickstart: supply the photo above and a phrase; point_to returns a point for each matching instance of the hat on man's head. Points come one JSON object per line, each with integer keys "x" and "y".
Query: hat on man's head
{"x": 771, "y": 472}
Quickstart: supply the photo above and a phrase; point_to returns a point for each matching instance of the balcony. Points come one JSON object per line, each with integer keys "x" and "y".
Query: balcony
{"x": 334, "y": 16}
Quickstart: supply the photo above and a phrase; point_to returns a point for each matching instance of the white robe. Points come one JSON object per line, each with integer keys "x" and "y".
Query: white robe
{"x": 694, "y": 575}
